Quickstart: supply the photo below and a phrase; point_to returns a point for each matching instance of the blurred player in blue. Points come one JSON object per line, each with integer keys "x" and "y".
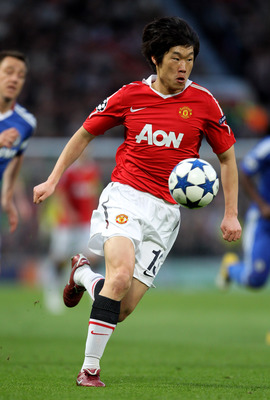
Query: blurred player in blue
{"x": 253, "y": 270}
{"x": 16, "y": 127}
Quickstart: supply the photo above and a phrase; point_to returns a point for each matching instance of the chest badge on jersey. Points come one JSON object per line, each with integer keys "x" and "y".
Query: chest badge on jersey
{"x": 121, "y": 219}
{"x": 185, "y": 112}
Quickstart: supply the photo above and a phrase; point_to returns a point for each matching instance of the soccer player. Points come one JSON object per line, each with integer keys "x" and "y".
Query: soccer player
{"x": 136, "y": 223}
{"x": 16, "y": 127}
{"x": 253, "y": 270}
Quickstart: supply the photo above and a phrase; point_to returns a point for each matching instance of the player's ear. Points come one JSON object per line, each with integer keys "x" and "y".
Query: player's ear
{"x": 154, "y": 60}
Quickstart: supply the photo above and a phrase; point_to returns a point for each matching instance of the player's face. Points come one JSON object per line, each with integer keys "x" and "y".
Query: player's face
{"x": 12, "y": 78}
{"x": 175, "y": 69}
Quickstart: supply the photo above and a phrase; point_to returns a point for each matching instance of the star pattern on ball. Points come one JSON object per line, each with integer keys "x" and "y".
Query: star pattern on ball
{"x": 207, "y": 186}
{"x": 182, "y": 183}
{"x": 193, "y": 183}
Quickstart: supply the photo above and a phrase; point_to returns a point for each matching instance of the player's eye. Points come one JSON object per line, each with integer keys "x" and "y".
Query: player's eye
{"x": 9, "y": 71}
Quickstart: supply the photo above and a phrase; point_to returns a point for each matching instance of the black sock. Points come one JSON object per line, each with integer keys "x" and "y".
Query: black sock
{"x": 105, "y": 309}
{"x": 98, "y": 287}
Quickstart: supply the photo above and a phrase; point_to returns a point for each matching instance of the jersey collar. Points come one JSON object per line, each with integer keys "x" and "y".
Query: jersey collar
{"x": 5, "y": 114}
{"x": 152, "y": 78}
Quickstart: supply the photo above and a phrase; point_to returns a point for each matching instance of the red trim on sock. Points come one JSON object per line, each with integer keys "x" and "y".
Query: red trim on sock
{"x": 104, "y": 325}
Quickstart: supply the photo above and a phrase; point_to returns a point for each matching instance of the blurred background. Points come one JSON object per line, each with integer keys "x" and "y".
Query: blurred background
{"x": 82, "y": 51}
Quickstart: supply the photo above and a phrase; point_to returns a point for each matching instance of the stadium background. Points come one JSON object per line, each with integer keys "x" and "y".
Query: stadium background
{"x": 81, "y": 51}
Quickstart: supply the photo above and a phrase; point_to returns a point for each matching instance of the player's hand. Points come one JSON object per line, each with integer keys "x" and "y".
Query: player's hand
{"x": 42, "y": 191}
{"x": 13, "y": 217}
{"x": 231, "y": 229}
{"x": 8, "y": 137}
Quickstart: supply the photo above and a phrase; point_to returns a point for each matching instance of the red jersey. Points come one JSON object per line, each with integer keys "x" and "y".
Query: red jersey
{"x": 80, "y": 185}
{"x": 160, "y": 131}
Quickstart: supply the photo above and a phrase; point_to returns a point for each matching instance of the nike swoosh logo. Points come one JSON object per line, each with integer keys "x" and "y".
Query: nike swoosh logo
{"x": 146, "y": 274}
{"x": 79, "y": 381}
{"x": 101, "y": 334}
{"x": 136, "y": 109}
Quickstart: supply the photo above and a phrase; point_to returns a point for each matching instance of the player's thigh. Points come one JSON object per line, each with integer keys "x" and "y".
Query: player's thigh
{"x": 132, "y": 298}
{"x": 119, "y": 262}
{"x": 119, "y": 252}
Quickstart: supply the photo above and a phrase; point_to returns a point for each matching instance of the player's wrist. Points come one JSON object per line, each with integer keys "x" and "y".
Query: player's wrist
{"x": 231, "y": 214}
{"x": 53, "y": 180}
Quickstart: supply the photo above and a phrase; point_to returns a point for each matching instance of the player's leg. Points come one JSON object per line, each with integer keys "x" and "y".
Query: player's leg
{"x": 51, "y": 270}
{"x": 232, "y": 269}
{"x": 93, "y": 283}
{"x": 160, "y": 224}
{"x": 132, "y": 298}
{"x": 119, "y": 259}
{"x": 82, "y": 277}
{"x": 253, "y": 271}
{"x": 257, "y": 266}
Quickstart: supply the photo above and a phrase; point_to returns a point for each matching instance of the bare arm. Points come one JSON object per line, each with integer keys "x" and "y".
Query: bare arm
{"x": 71, "y": 152}
{"x": 230, "y": 226}
{"x": 8, "y": 184}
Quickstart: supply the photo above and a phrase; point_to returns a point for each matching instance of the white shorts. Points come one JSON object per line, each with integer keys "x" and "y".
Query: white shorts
{"x": 150, "y": 223}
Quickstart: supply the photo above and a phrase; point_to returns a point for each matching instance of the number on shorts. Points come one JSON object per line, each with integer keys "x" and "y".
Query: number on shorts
{"x": 152, "y": 268}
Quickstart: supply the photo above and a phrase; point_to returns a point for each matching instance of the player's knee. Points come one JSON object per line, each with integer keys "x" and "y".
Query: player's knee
{"x": 121, "y": 282}
{"x": 257, "y": 280}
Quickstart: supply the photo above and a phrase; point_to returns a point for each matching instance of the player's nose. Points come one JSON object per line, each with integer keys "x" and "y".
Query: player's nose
{"x": 182, "y": 66}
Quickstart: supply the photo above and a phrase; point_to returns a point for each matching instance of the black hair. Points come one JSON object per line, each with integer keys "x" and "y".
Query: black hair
{"x": 164, "y": 33}
{"x": 15, "y": 54}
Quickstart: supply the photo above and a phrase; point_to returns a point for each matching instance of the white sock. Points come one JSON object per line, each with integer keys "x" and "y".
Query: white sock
{"x": 85, "y": 277}
{"x": 99, "y": 332}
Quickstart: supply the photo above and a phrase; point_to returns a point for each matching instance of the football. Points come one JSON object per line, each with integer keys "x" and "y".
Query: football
{"x": 193, "y": 183}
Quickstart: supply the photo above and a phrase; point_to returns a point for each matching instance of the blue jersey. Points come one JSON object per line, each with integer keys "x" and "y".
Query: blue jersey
{"x": 25, "y": 123}
{"x": 257, "y": 162}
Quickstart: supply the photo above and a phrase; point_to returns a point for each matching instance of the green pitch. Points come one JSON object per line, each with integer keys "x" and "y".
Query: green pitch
{"x": 177, "y": 345}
